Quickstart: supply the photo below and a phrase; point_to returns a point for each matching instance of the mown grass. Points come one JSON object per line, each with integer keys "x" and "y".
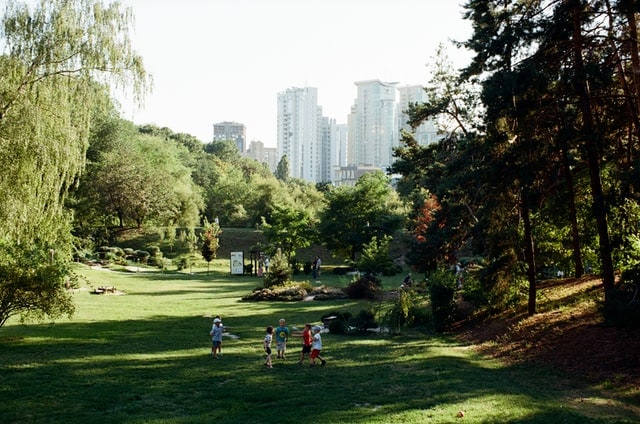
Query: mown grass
{"x": 143, "y": 357}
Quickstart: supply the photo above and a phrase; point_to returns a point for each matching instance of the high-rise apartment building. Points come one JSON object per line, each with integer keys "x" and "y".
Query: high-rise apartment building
{"x": 231, "y": 131}
{"x": 372, "y": 124}
{"x": 426, "y": 132}
{"x": 266, "y": 155}
{"x": 299, "y": 132}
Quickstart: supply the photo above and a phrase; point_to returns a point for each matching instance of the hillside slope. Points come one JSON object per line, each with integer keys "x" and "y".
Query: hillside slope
{"x": 567, "y": 333}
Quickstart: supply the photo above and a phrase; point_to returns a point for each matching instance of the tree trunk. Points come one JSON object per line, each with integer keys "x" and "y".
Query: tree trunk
{"x": 591, "y": 139}
{"x": 573, "y": 215}
{"x": 529, "y": 253}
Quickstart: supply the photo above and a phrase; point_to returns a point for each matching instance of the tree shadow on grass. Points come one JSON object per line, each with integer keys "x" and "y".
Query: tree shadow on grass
{"x": 160, "y": 370}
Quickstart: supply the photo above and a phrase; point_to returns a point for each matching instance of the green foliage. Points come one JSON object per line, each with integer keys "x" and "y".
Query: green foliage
{"x": 367, "y": 286}
{"x": 279, "y": 271}
{"x": 33, "y": 282}
{"x": 57, "y": 60}
{"x": 442, "y": 285}
{"x": 354, "y": 215}
{"x": 282, "y": 170}
{"x": 404, "y": 311}
{"x": 375, "y": 257}
{"x": 152, "y": 184}
{"x": 289, "y": 228}
{"x": 210, "y": 241}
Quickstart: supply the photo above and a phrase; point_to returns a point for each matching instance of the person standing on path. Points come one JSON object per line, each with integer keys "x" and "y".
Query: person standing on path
{"x": 282, "y": 335}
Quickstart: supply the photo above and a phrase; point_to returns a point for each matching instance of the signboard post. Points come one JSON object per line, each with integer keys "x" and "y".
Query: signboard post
{"x": 237, "y": 263}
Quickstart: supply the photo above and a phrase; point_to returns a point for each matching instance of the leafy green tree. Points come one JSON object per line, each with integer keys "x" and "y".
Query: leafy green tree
{"x": 58, "y": 61}
{"x": 152, "y": 183}
{"x": 282, "y": 170}
{"x": 375, "y": 257}
{"x": 31, "y": 278}
{"x": 279, "y": 270}
{"x": 354, "y": 215}
{"x": 226, "y": 150}
{"x": 289, "y": 229}
{"x": 210, "y": 242}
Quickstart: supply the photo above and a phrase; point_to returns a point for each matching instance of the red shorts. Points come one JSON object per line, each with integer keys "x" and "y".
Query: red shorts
{"x": 315, "y": 353}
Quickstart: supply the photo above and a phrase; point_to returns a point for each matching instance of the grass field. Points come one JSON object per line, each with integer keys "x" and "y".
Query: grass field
{"x": 143, "y": 357}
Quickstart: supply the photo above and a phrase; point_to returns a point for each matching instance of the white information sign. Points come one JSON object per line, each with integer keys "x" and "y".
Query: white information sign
{"x": 237, "y": 263}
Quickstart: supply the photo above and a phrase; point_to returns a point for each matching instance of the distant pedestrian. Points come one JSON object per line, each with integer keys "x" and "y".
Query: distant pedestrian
{"x": 267, "y": 346}
{"x": 266, "y": 264}
{"x": 318, "y": 264}
{"x": 282, "y": 335}
{"x": 216, "y": 337}
{"x": 316, "y": 347}
{"x": 314, "y": 269}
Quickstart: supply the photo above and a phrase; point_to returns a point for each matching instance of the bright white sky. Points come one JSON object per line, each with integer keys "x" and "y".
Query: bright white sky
{"x": 226, "y": 60}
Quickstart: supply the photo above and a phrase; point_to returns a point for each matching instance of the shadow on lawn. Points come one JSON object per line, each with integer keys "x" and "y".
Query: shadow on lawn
{"x": 160, "y": 370}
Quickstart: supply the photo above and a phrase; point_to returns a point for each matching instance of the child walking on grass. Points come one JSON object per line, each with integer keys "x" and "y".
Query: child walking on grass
{"x": 316, "y": 347}
{"x": 306, "y": 341}
{"x": 267, "y": 346}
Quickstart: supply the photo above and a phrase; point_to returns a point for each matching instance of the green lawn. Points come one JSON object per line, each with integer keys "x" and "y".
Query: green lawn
{"x": 143, "y": 357}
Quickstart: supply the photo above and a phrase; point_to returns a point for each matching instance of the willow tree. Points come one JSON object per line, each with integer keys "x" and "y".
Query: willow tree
{"x": 59, "y": 61}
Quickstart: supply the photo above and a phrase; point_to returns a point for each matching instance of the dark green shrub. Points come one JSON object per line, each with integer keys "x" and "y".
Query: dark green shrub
{"x": 338, "y": 322}
{"x": 296, "y": 266}
{"x": 142, "y": 256}
{"x": 441, "y": 292}
{"x": 183, "y": 262}
{"x": 343, "y": 270}
{"x": 306, "y": 268}
{"x": 364, "y": 320}
{"x": 279, "y": 272}
{"x": 364, "y": 287}
{"x": 154, "y": 250}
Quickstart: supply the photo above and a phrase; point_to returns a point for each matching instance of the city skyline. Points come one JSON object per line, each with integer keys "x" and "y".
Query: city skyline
{"x": 227, "y": 60}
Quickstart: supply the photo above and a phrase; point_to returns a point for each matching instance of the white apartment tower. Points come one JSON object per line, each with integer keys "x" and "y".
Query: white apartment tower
{"x": 372, "y": 124}
{"x": 299, "y": 132}
{"x": 427, "y": 132}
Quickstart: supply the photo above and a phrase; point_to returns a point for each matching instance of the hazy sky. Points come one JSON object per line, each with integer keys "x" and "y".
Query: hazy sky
{"x": 226, "y": 60}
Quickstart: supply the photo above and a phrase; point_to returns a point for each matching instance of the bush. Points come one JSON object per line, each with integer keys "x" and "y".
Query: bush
{"x": 338, "y": 321}
{"x": 400, "y": 314}
{"x": 183, "y": 262}
{"x": 343, "y": 270}
{"x": 364, "y": 287}
{"x": 306, "y": 268}
{"x": 142, "y": 256}
{"x": 279, "y": 272}
{"x": 280, "y": 293}
{"x": 154, "y": 251}
{"x": 441, "y": 293}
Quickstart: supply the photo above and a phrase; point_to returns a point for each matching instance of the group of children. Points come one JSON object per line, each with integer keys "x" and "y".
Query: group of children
{"x": 311, "y": 343}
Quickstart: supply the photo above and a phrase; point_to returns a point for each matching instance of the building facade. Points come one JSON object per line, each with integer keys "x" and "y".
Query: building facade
{"x": 299, "y": 132}
{"x": 426, "y": 132}
{"x": 372, "y": 124}
{"x": 234, "y": 131}
{"x": 266, "y": 155}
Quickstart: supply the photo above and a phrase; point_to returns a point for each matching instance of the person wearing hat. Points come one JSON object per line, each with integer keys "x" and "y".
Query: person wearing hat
{"x": 216, "y": 337}
{"x": 316, "y": 347}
